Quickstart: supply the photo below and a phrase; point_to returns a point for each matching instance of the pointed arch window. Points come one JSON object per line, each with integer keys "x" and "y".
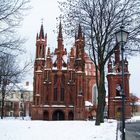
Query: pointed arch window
{"x": 63, "y": 80}
{"x": 55, "y": 96}
{"x": 40, "y": 51}
{"x": 55, "y": 80}
{"x": 62, "y": 96}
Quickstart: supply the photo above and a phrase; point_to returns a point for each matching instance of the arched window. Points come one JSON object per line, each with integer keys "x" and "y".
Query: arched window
{"x": 118, "y": 89}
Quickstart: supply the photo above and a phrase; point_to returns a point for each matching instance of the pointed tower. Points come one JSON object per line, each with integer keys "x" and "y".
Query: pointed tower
{"x": 114, "y": 78}
{"x": 60, "y": 37}
{"x": 60, "y": 51}
{"x": 39, "y": 64}
{"x": 41, "y": 42}
{"x": 79, "y": 44}
{"x": 80, "y": 73}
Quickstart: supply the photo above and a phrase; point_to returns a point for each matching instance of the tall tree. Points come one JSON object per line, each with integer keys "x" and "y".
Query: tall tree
{"x": 100, "y": 20}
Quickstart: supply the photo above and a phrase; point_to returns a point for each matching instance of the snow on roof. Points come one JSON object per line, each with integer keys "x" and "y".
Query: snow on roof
{"x": 38, "y": 71}
{"x": 79, "y": 71}
{"x": 54, "y": 68}
{"x": 40, "y": 58}
{"x": 137, "y": 103}
{"x": 58, "y": 106}
{"x": 64, "y": 68}
{"x": 112, "y": 73}
{"x": 87, "y": 103}
{"x": 41, "y": 39}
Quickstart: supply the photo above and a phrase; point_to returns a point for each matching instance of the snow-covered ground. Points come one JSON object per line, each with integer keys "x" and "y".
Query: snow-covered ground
{"x": 134, "y": 119}
{"x": 11, "y": 129}
{"x": 56, "y": 130}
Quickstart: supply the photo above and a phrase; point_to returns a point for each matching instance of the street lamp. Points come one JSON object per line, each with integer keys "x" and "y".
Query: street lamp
{"x": 121, "y": 37}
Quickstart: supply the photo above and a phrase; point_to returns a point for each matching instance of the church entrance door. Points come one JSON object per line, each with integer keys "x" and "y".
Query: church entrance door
{"x": 58, "y": 115}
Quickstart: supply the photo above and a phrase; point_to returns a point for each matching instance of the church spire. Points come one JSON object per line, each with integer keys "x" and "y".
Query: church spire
{"x": 80, "y": 32}
{"x": 79, "y": 44}
{"x": 60, "y": 31}
{"x": 60, "y": 37}
{"x": 41, "y": 34}
{"x": 41, "y": 42}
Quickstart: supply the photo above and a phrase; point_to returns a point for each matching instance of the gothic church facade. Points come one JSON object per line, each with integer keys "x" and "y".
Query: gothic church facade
{"x": 64, "y": 83}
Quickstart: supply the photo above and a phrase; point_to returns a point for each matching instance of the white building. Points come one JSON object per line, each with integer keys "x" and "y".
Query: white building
{"x": 18, "y": 99}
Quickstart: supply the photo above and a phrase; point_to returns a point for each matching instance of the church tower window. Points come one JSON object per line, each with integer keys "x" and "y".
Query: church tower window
{"x": 118, "y": 90}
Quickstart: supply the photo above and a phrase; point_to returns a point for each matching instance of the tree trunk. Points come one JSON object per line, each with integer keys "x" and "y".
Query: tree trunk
{"x": 2, "y": 108}
{"x": 101, "y": 98}
{"x": 99, "y": 108}
{"x": 3, "y": 99}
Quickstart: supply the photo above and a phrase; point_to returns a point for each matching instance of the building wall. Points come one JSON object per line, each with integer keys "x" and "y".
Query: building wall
{"x": 17, "y": 102}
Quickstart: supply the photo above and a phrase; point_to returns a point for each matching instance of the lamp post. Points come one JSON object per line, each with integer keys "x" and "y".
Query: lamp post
{"x": 121, "y": 37}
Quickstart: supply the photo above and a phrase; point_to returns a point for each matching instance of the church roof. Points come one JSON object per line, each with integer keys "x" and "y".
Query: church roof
{"x": 89, "y": 66}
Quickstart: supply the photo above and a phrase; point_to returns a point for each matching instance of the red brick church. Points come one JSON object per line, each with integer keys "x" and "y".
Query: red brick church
{"x": 64, "y": 83}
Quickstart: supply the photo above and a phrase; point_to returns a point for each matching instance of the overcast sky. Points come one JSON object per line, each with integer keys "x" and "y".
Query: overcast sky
{"x": 48, "y": 11}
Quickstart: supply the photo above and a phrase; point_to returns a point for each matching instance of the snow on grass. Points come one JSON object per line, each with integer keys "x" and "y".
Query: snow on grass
{"x": 134, "y": 119}
{"x": 56, "y": 130}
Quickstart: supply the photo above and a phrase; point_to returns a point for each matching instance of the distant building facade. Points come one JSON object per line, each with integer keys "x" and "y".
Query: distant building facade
{"x": 17, "y": 101}
{"x": 64, "y": 83}
{"x": 114, "y": 78}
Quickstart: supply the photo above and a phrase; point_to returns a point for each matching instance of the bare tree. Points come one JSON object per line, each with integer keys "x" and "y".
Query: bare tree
{"x": 11, "y": 15}
{"x": 10, "y": 72}
{"x": 100, "y": 20}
